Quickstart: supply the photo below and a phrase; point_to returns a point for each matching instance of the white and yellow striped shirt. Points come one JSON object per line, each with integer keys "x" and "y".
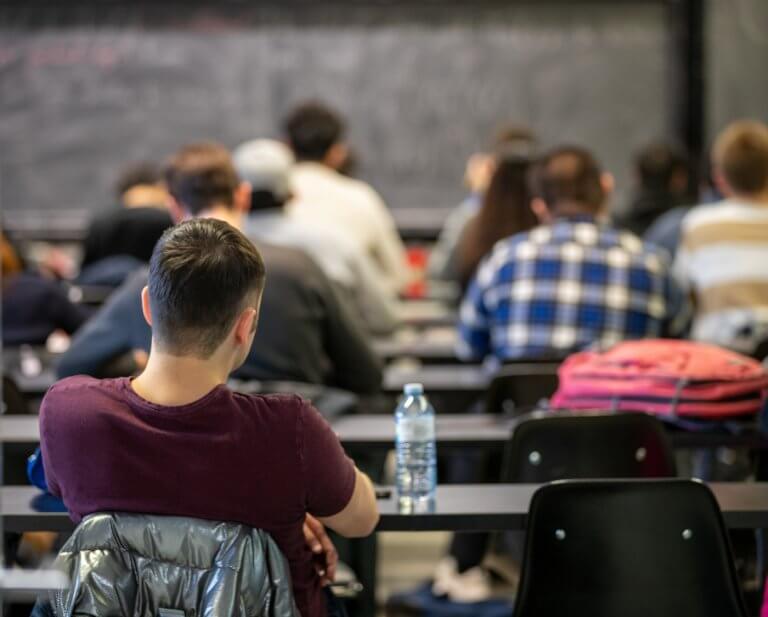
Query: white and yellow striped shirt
{"x": 723, "y": 258}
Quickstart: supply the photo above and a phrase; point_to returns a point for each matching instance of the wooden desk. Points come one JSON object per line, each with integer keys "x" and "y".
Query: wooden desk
{"x": 471, "y": 507}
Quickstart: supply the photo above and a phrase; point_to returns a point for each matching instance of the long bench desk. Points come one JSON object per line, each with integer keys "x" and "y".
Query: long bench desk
{"x": 426, "y": 313}
{"x": 432, "y": 345}
{"x": 370, "y": 431}
{"x": 472, "y": 507}
{"x": 471, "y": 378}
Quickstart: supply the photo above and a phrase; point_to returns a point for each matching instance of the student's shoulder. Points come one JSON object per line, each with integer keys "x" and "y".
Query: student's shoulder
{"x": 79, "y": 392}
{"x": 285, "y": 261}
{"x": 278, "y": 409}
{"x": 717, "y": 213}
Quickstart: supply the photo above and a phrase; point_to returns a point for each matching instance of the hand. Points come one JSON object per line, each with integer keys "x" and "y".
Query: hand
{"x": 480, "y": 169}
{"x": 326, "y": 557}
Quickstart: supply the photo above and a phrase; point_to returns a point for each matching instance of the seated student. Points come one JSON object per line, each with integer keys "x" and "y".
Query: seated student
{"x": 661, "y": 172}
{"x": 34, "y": 307}
{"x": 130, "y": 230}
{"x": 326, "y": 198}
{"x": 176, "y": 441}
{"x": 505, "y": 211}
{"x": 724, "y": 246}
{"x": 266, "y": 166}
{"x": 443, "y": 258}
{"x": 307, "y": 333}
{"x": 571, "y": 283}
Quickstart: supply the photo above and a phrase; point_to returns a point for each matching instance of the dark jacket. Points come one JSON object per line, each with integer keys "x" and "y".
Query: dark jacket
{"x": 135, "y": 564}
{"x": 305, "y": 332}
{"x": 33, "y": 307}
{"x": 125, "y": 231}
{"x": 647, "y": 206}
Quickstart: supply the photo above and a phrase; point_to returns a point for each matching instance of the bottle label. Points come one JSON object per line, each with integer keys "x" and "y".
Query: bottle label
{"x": 416, "y": 429}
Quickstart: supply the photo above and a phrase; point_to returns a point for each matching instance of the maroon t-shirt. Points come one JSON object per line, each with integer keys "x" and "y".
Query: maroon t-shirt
{"x": 260, "y": 460}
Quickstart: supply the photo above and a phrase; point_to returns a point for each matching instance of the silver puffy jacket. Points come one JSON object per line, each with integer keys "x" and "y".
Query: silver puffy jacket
{"x": 135, "y": 565}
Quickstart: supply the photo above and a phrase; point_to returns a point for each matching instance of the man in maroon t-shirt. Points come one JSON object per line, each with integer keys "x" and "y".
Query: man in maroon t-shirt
{"x": 175, "y": 440}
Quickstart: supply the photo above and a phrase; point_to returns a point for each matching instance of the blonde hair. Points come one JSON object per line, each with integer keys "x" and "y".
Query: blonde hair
{"x": 740, "y": 154}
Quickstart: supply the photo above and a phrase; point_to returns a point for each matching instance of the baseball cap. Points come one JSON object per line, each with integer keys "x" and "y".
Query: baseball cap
{"x": 266, "y": 165}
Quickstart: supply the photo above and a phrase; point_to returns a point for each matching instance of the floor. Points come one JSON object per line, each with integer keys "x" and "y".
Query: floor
{"x": 407, "y": 559}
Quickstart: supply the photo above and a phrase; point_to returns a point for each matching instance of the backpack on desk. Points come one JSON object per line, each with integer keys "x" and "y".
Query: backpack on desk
{"x": 663, "y": 377}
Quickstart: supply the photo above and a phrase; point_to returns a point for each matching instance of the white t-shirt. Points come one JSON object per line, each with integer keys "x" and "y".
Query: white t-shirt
{"x": 325, "y": 198}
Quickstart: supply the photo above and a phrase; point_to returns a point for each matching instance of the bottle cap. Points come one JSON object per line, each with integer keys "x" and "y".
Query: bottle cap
{"x": 413, "y": 389}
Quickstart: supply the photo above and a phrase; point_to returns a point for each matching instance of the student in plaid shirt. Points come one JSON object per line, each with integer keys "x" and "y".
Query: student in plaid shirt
{"x": 572, "y": 282}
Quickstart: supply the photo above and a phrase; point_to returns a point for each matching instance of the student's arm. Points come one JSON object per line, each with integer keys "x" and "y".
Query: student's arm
{"x": 355, "y": 365}
{"x": 474, "y": 325}
{"x": 337, "y": 493}
{"x": 117, "y": 328}
{"x": 679, "y": 309}
{"x": 64, "y": 314}
{"x": 374, "y": 299}
{"x": 360, "y": 516}
{"x": 389, "y": 249}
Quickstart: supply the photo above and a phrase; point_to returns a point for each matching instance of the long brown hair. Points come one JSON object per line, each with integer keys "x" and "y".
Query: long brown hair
{"x": 11, "y": 264}
{"x": 505, "y": 212}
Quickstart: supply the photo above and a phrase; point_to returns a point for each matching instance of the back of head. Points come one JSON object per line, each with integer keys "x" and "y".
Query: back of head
{"x": 514, "y": 139}
{"x": 141, "y": 185}
{"x": 202, "y": 275}
{"x": 200, "y": 176}
{"x": 569, "y": 178}
{"x": 142, "y": 173}
{"x": 658, "y": 165}
{"x": 740, "y": 156}
{"x": 266, "y": 165}
{"x": 312, "y": 130}
{"x": 505, "y": 212}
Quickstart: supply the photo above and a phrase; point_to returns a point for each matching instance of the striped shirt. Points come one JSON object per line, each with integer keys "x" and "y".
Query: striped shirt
{"x": 723, "y": 259}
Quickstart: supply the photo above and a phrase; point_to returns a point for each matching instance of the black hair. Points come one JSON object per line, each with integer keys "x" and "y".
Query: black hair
{"x": 203, "y": 273}
{"x": 312, "y": 129}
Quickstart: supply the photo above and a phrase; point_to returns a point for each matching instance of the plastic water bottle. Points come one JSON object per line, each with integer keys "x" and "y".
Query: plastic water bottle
{"x": 416, "y": 469}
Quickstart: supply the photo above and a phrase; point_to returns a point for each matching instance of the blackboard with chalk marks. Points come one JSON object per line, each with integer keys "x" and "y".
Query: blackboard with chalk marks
{"x": 87, "y": 87}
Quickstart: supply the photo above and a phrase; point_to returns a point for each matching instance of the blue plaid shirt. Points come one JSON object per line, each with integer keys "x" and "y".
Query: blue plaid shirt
{"x": 567, "y": 286}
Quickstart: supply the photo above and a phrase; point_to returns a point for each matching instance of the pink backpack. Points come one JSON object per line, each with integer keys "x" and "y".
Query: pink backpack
{"x": 663, "y": 377}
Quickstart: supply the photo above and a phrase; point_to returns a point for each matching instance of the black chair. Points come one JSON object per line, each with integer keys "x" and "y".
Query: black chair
{"x": 513, "y": 391}
{"x": 627, "y": 549}
{"x": 546, "y": 447}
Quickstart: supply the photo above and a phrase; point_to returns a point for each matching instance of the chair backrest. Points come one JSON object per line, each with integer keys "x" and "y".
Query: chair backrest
{"x": 169, "y": 566}
{"x": 642, "y": 548}
{"x": 550, "y": 446}
{"x": 515, "y": 391}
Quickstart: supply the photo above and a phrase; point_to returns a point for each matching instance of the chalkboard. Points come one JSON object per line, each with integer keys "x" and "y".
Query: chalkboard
{"x": 86, "y": 88}
{"x": 737, "y": 57}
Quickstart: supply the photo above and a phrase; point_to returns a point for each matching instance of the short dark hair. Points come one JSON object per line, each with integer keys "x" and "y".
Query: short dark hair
{"x": 657, "y": 164}
{"x": 568, "y": 174}
{"x": 741, "y": 155}
{"x": 137, "y": 174}
{"x": 203, "y": 273}
{"x": 201, "y": 175}
{"x": 312, "y": 129}
{"x": 514, "y": 140}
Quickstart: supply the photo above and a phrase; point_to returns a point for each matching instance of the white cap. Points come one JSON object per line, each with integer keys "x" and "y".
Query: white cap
{"x": 266, "y": 165}
{"x": 413, "y": 389}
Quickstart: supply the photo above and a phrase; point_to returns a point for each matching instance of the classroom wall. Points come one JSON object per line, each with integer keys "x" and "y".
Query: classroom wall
{"x": 88, "y": 86}
{"x": 737, "y": 60}
{"x": 424, "y": 84}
